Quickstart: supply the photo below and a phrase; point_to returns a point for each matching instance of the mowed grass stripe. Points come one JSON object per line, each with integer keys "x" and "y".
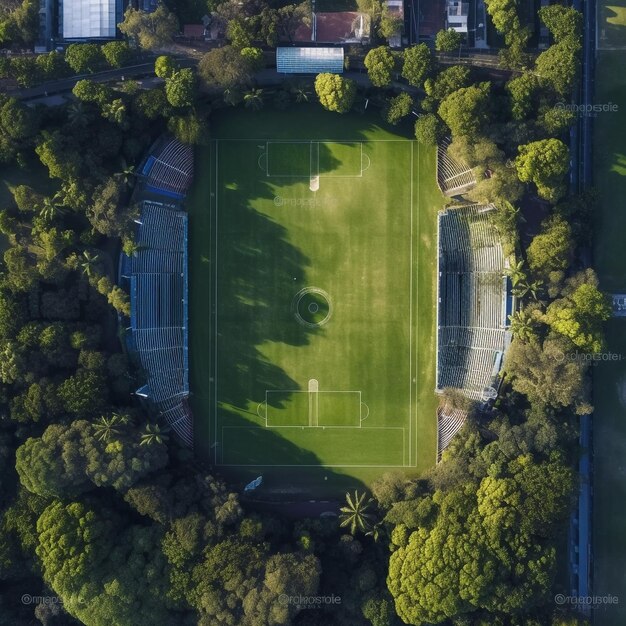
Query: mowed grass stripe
{"x": 365, "y": 447}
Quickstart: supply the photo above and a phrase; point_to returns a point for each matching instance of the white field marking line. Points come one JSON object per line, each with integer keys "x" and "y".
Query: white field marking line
{"x": 314, "y": 418}
{"x": 360, "y": 412}
{"x": 294, "y": 391}
{"x": 368, "y": 412}
{"x": 260, "y": 405}
{"x": 345, "y": 143}
{"x": 410, "y": 317}
{"x": 216, "y": 311}
{"x": 259, "y": 161}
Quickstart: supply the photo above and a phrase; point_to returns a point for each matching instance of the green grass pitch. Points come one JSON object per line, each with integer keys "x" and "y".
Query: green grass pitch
{"x": 312, "y": 304}
{"x": 609, "y": 381}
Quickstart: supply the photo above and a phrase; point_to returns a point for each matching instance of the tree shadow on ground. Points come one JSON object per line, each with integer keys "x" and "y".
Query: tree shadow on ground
{"x": 262, "y": 273}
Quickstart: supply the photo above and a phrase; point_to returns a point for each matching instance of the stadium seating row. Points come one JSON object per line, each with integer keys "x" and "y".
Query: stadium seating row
{"x": 449, "y": 422}
{"x": 453, "y": 178}
{"x": 471, "y": 292}
{"x": 157, "y": 277}
{"x": 169, "y": 170}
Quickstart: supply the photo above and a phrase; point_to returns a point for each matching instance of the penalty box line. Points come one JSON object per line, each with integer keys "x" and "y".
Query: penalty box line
{"x": 313, "y": 392}
{"x": 314, "y": 158}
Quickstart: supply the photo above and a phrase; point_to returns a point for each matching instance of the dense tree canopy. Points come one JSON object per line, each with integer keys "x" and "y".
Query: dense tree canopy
{"x": 465, "y": 111}
{"x": 335, "y": 93}
{"x": 380, "y": 64}
{"x": 150, "y": 30}
{"x": 417, "y": 64}
{"x": 544, "y": 163}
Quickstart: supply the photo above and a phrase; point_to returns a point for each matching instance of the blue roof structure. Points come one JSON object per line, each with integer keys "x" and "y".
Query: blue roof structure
{"x": 309, "y": 60}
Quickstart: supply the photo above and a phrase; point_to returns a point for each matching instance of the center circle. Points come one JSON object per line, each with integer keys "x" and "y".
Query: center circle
{"x": 312, "y": 307}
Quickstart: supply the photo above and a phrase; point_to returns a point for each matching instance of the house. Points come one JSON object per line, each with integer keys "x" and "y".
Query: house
{"x": 456, "y": 15}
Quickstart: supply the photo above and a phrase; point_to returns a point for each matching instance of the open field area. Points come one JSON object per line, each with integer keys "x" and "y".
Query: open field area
{"x": 312, "y": 286}
{"x": 610, "y": 377}
{"x": 611, "y": 24}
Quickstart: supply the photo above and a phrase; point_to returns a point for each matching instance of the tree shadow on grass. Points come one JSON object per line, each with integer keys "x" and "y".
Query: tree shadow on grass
{"x": 261, "y": 275}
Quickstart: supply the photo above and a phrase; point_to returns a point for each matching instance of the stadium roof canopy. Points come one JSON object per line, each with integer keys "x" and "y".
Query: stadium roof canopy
{"x": 309, "y": 60}
{"x": 86, "y": 19}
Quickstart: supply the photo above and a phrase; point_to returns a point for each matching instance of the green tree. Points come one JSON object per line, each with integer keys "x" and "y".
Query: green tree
{"x": 417, "y": 64}
{"x": 429, "y": 129}
{"x": 225, "y": 68}
{"x": 580, "y": 314}
{"x": 57, "y": 154}
{"x": 180, "y": 88}
{"x": 551, "y": 249}
{"x": 84, "y": 58}
{"x": 335, "y": 93}
{"x": 19, "y": 22}
{"x": 521, "y": 92}
{"x": 108, "y": 213}
{"x": 547, "y": 375}
{"x": 255, "y": 58}
{"x": 104, "y": 569}
{"x": 524, "y": 326}
{"x": 465, "y": 111}
{"x": 447, "y": 81}
{"x": 53, "y": 66}
{"x": 558, "y": 67}
{"x": 356, "y": 514}
{"x": 562, "y": 21}
{"x": 398, "y": 108}
{"x": 544, "y": 163}
{"x": 238, "y": 33}
{"x": 150, "y": 30}
{"x": 191, "y": 128}
{"x": 85, "y": 393}
{"x": 448, "y": 40}
{"x": 165, "y": 66}
{"x": 118, "y": 53}
{"x": 380, "y": 64}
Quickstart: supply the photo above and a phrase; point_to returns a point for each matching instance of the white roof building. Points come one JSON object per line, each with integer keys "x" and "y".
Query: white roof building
{"x": 89, "y": 19}
{"x": 456, "y": 15}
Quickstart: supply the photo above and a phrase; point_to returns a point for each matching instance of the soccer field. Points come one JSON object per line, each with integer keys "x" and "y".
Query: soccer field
{"x": 312, "y": 286}
{"x": 609, "y": 427}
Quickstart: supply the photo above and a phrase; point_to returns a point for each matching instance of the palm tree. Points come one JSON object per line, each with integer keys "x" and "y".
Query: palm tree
{"x": 52, "y": 207}
{"x": 355, "y": 513}
{"x": 127, "y": 173}
{"x": 523, "y": 326}
{"x": 153, "y": 433}
{"x": 524, "y": 287}
{"x": 106, "y": 428}
{"x": 89, "y": 262}
{"x": 77, "y": 114}
{"x": 253, "y": 99}
{"x": 516, "y": 272}
{"x": 301, "y": 92}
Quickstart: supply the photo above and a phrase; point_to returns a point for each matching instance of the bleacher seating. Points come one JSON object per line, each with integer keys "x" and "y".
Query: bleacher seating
{"x": 449, "y": 422}
{"x": 157, "y": 276}
{"x": 471, "y": 337}
{"x": 454, "y": 178}
{"x": 169, "y": 170}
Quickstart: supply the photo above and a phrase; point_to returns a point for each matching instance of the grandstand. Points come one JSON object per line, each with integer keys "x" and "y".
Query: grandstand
{"x": 454, "y": 178}
{"x": 156, "y": 276}
{"x": 449, "y": 422}
{"x": 168, "y": 171}
{"x": 473, "y": 307}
